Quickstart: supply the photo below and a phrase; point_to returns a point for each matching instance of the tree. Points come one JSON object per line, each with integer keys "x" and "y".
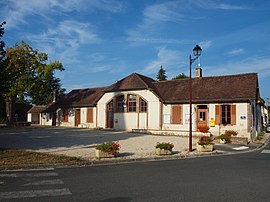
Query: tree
{"x": 28, "y": 77}
{"x": 2, "y": 86}
{"x": 180, "y": 76}
{"x": 46, "y": 87}
{"x": 161, "y": 76}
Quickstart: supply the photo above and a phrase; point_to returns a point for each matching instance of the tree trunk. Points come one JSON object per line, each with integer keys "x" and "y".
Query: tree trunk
{"x": 10, "y": 112}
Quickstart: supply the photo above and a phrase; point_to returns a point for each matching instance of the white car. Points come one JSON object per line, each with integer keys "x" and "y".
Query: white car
{"x": 268, "y": 127}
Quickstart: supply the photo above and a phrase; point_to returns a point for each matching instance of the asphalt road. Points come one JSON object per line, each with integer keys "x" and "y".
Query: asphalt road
{"x": 241, "y": 177}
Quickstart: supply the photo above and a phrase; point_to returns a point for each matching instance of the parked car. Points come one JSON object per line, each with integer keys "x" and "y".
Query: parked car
{"x": 268, "y": 127}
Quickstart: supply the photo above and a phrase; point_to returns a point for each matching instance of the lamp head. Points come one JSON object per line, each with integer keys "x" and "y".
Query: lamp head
{"x": 197, "y": 50}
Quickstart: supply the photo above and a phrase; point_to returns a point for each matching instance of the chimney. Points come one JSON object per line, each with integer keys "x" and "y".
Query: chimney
{"x": 198, "y": 72}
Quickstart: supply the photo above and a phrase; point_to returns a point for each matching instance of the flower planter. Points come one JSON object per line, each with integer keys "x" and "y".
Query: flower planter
{"x": 102, "y": 154}
{"x": 205, "y": 148}
{"x": 222, "y": 141}
{"x": 163, "y": 151}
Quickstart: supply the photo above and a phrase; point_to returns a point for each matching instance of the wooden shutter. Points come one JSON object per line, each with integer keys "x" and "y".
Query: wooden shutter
{"x": 233, "y": 114}
{"x": 218, "y": 114}
{"x": 89, "y": 115}
{"x": 176, "y": 114}
{"x": 65, "y": 115}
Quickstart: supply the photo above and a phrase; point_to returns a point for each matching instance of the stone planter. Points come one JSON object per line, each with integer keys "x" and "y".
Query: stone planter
{"x": 102, "y": 154}
{"x": 163, "y": 152}
{"x": 205, "y": 148}
{"x": 222, "y": 141}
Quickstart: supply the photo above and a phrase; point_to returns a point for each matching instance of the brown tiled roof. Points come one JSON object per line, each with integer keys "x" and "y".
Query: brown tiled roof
{"x": 37, "y": 109}
{"x": 81, "y": 97}
{"x": 134, "y": 81}
{"x": 241, "y": 87}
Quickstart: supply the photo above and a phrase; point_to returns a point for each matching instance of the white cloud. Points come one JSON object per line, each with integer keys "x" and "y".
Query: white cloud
{"x": 255, "y": 64}
{"x": 213, "y": 4}
{"x": 15, "y": 12}
{"x": 236, "y": 51}
{"x": 166, "y": 58}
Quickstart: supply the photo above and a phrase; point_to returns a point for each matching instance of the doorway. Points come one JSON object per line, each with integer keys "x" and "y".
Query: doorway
{"x": 110, "y": 115}
{"x": 202, "y": 116}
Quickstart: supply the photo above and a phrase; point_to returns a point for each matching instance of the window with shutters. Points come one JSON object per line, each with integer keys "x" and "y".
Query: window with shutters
{"x": 90, "y": 115}
{"x": 176, "y": 114}
{"x": 226, "y": 114}
{"x": 65, "y": 115}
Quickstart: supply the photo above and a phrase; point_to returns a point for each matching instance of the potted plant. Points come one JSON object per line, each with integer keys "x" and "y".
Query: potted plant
{"x": 223, "y": 138}
{"x": 205, "y": 144}
{"x": 107, "y": 150}
{"x": 164, "y": 148}
{"x": 231, "y": 132}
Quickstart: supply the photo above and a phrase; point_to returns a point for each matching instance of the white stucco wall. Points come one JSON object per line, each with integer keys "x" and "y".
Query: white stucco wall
{"x": 131, "y": 120}
{"x": 84, "y": 123}
{"x": 45, "y": 119}
{"x": 71, "y": 118}
{"x": 241, "y": 119}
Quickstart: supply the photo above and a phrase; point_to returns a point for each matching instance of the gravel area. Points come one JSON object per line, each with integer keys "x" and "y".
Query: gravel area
{"x": 133, "y": 147}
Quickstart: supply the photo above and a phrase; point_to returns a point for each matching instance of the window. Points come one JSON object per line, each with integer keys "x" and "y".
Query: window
{"x": 110, "y": 106}
{"x": 90, "y": 115}
{"x": 120, "y": 103}
{"x": 143, "y": 105}
{"x": 225, "y": 114}
{"x": 176, "y": 114}
{"x": 132, "y": 103}
{"x": 65, "y": 115}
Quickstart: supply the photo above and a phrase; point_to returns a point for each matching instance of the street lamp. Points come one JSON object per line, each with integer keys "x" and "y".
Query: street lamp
{"x": 197, "y": 52}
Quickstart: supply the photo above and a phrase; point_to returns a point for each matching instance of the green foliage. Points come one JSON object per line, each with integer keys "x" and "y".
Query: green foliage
{"x": 161, "y": 76}
{"x": 231, "y": 133}
{"x": 165, "y": 145}
{"x": 109, "y": 147}
{"x": 180, "y": 76}
{"x": 205, "y": 140}
{"x": 225, "y": 137}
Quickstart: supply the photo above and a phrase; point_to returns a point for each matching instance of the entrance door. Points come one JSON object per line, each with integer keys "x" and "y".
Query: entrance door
{"x": 110, "y": 115}
{"x": 202, "y": 117}
{"x": 77, "y": 117}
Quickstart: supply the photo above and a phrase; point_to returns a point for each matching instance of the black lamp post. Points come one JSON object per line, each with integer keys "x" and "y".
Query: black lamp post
{"x": 197, "y": 52}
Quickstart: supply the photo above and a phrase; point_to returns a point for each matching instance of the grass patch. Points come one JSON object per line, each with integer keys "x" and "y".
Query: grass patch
{"x": 21, "y": 157}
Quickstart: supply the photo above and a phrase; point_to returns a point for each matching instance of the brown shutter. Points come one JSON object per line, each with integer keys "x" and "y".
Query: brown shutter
{"x": 233, "y": 115}
{"x": 218, "y": 114}
{"x": 176, "y": 114}
{"x": 65, "y": 115}
{"x": 89, "y": 115}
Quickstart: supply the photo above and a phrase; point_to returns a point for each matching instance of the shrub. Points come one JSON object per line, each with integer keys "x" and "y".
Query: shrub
{"x": 203, "y": 128}
{"x": 109, "y": 147}
{"x": 230, "y": 133}
{"x": 165, "y": 145}
{"x": 225, "y": 137}
{"x": 205, "y": 140}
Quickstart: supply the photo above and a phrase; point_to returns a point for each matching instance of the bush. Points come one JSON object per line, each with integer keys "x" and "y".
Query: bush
{"x": 227, "y": 138}
{"x": 203, "y": 129}
{"x": 165, "y": 145}
{"x": 230, "y": 133}
{"x": 205, "y": 140}
{"x": 109, "y": 147}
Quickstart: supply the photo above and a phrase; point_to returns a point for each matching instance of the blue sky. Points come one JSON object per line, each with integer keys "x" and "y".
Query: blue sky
{"x": 102, "y": 41}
